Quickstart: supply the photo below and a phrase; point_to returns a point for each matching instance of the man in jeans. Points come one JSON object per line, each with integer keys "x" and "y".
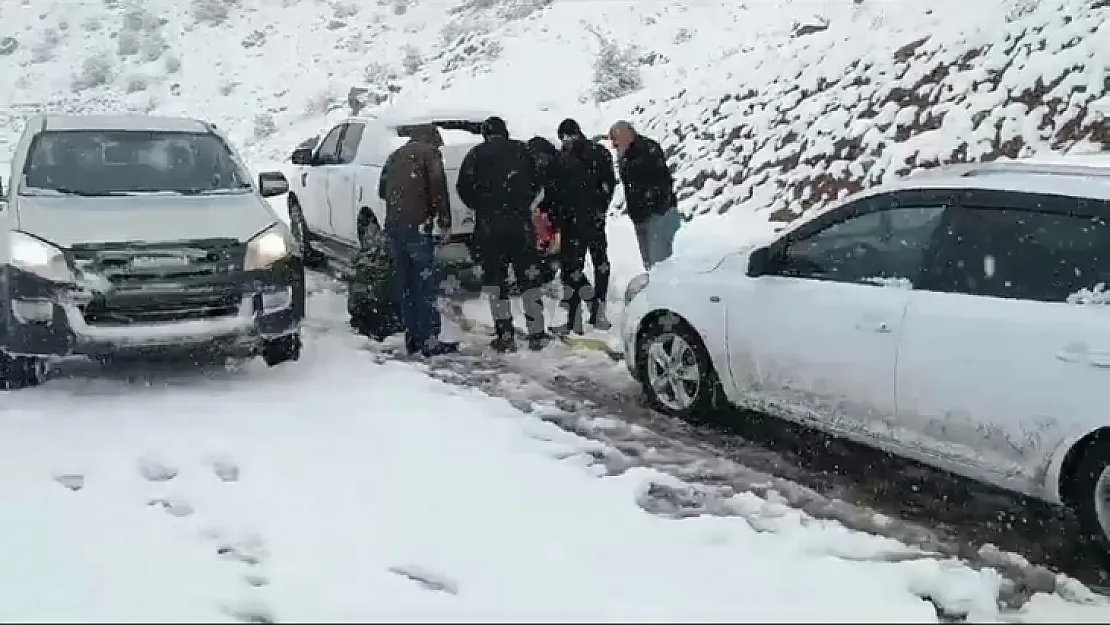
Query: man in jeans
{"x": 648, "y": 192}
{"x": 414, "y": 187}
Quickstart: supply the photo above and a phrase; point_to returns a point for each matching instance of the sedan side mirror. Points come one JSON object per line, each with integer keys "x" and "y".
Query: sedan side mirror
{"x": 302, "y": 156}
{"x": 271, "y": 183}
{"x": 759, "y": 262}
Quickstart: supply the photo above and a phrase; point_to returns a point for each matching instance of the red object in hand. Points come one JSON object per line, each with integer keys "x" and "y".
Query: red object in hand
{"x": 547, "y": 239}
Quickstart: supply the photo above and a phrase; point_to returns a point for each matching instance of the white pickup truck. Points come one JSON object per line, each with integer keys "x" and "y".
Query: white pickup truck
{"x": 333, "y": 201}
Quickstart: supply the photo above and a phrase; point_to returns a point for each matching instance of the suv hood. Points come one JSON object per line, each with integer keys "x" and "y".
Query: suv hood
{"x": 72, "y": 220}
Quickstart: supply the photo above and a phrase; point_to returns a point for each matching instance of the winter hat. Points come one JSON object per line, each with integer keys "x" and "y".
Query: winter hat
{"x": 494, "y": 127}
{"x": 569, "y": 128}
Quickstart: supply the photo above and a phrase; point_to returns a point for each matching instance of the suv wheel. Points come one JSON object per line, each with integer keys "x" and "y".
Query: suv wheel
{"x": 282, "y": 349}
{"x": 367, "y": 230}
{"x": 17, "y": 372}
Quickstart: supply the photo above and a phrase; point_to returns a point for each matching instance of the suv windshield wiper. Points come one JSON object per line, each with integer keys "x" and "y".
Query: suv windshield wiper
{"x": 242, "y": 189}
{"x": 79, "y": 192}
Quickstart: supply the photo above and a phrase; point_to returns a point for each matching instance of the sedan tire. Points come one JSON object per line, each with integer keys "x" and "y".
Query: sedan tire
{"x": 675, "y": 370}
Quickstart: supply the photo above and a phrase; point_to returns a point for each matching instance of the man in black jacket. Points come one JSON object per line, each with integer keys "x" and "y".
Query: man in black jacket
{"x": 648, "y": 192}
{"x": 498, "y": 179}
{"x": 586, "y": 184}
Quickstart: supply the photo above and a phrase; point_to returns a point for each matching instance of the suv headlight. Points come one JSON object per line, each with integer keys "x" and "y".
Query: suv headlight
{"x": 38, "y": 257}
{"x": 635, "y": 285}
{"x": 274, "y": 244}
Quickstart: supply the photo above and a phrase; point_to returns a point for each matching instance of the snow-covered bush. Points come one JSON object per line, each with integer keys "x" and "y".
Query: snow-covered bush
{"x": 412, "y": 61}
{"x": 264, "y": 125}
{"x": 344, "y": 10}
{"x": 457, "y": 30}
{"x": 98, "y": 69}
{"x": 136, "y": 83}
{"x": 213, "y": 12}
{"x": 173, "y": 64}
{"x": 43, "y": 49}
{"x": 616, "y": 71}
{"x": 8, "y": 45}
{"x": 127, "y": 43}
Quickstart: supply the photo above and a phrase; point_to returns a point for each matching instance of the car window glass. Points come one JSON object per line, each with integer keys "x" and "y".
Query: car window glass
{"x": 1024, "y": 254}
{"x": 328, "y": 152}
{"x": 348, "y": 147}
{"x": 885, "y": 247}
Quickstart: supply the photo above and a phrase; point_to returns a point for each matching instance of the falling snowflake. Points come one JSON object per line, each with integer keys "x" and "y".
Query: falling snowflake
{"x": 427, "y": 273}
{"x": 450, "y": 285}
{"x": 532, "y": 272}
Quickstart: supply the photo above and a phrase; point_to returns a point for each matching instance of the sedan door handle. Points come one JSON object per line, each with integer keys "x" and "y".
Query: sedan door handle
{"x": 879, "y": 327}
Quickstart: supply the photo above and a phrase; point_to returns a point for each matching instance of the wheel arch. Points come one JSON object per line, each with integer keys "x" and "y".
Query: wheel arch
{"x": 654, "y": 317}
{"x": 1068, "y": 458}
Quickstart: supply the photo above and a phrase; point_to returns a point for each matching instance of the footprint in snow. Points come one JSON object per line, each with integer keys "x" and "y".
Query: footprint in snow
{"x": 428, "y": 579}
{"x": 251, "y": 612}
{"x": 226, "y": 470}
{"x": 72, "y": 481}
{"x": 173, "y": 507}
{"x": 153, "y": 470}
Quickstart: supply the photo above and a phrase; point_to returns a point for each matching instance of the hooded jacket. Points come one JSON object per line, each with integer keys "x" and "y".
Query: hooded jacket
{"x": 413, "y": 182}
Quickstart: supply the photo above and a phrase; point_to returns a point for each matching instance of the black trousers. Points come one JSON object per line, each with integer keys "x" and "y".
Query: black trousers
{"x": 578, "y": 242}
{"x": 501, "y": 250}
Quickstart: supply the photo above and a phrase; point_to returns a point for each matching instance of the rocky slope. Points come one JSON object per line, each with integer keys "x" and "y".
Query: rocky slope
{"x": 773, "y": 107}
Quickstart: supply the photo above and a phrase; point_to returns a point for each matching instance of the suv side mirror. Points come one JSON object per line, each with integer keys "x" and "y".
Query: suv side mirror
{"x": 302, "y": 156}
{"x": 759, "y": 262}
{"x": 271, "y": 183}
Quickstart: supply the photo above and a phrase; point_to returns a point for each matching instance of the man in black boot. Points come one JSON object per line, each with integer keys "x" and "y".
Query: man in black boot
{"x": 586, "y": 188}
{"x": 498, "y": 179}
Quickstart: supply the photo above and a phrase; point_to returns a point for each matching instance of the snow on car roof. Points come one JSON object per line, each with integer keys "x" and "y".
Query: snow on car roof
{"x": 405, "y": 117}
{"x": 123, "y": 122}
{"x": 1064, "y": 182}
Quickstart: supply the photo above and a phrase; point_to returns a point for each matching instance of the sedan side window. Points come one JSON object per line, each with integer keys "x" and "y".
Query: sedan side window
{"x": 328, "y": 152}
{"x": 884, "y": 247}
{"x": 1026, "y": 254}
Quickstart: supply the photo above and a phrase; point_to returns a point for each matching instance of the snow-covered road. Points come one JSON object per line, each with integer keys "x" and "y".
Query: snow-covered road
{"x": 348, "y": 487}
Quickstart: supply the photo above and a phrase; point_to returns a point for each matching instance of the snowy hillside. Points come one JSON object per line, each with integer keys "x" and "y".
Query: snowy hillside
{"x": 795, "y": 102}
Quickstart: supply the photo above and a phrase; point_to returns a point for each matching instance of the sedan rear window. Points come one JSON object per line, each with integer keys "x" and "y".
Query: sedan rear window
{"x": 122, "y": 162}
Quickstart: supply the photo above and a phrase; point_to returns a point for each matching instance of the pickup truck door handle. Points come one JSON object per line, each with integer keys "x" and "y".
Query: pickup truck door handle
{"x": 880, "y": 327}
{"x": 1079, "y": 354}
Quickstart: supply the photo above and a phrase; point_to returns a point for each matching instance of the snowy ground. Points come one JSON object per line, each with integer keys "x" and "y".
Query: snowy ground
{"x": 351, "y": 487}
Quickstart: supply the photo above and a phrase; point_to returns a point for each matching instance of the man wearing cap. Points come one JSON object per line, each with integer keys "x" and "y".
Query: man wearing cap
{"x": 586, "y": 183}
{"x": 499, "y": 181}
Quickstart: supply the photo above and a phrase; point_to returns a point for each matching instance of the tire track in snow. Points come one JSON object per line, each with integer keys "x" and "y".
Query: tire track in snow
{"x": 734, "y": 452}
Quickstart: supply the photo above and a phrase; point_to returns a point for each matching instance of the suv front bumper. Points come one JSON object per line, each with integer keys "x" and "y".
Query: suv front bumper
{"x": 38, "y": 317}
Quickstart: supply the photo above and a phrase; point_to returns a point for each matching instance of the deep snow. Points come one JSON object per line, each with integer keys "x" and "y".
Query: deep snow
{"x": 344, "y": 488}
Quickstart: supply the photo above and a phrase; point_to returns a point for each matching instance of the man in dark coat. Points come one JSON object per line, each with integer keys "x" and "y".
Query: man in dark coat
{"x": 414, "y": 187}
{"x": 586, "y": 183}
{"x": 498, "y": 180}
{"x": 648, "y": 192}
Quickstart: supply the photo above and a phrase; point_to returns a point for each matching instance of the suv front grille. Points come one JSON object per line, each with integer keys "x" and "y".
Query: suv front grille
{"x": 151, "y": 283}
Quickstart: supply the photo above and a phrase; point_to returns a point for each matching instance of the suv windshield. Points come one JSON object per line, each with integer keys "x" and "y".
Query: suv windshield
{"x": 124, "y": 162}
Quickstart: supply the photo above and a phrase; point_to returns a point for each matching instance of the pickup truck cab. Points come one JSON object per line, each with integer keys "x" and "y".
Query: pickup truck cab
{"x": 333, "y": 202}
